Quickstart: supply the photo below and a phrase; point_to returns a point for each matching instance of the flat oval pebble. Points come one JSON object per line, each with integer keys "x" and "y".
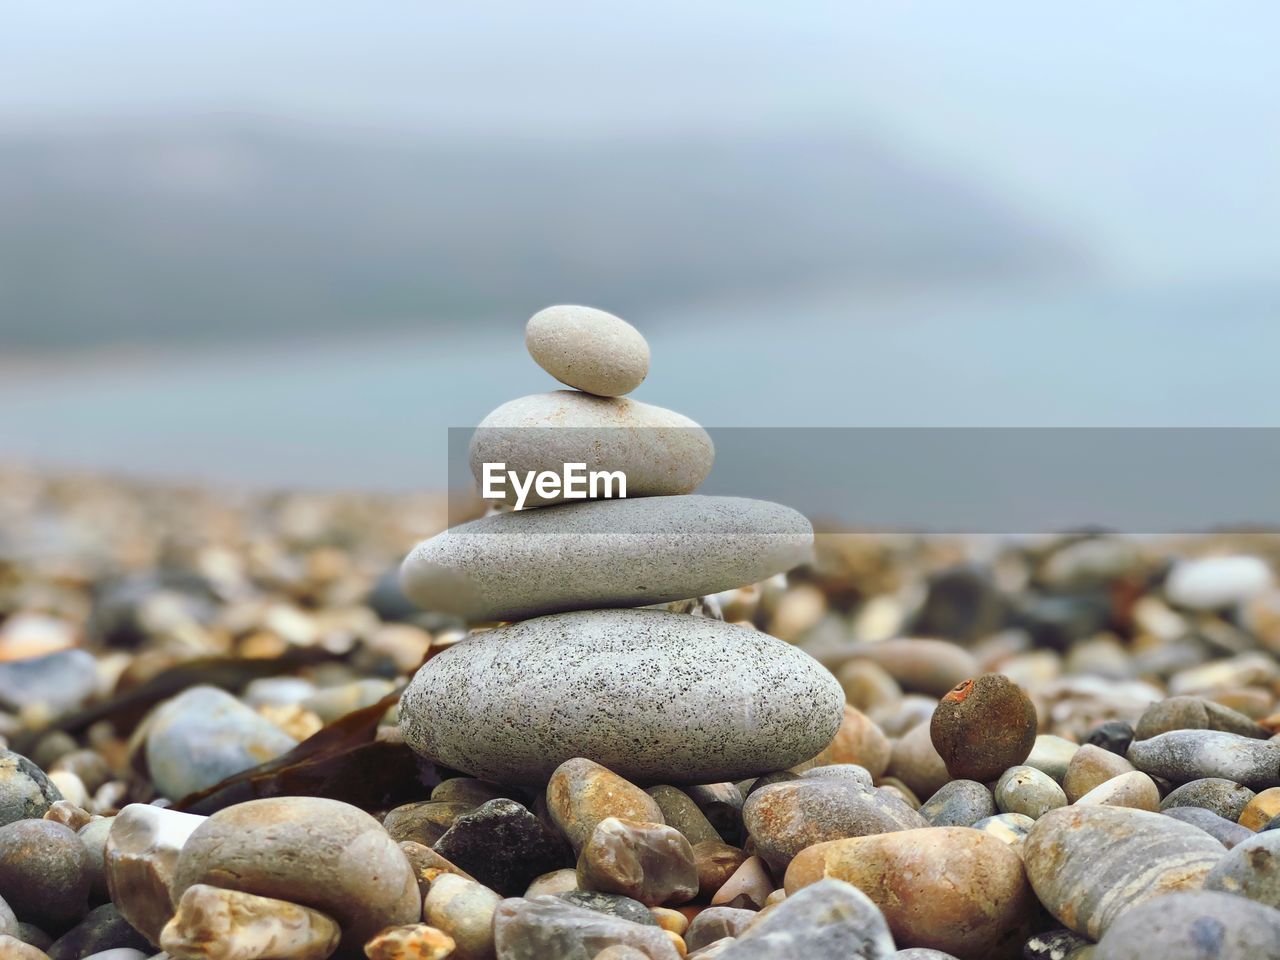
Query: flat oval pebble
{"x": 654, "y": 697}
{"x": 953, "y": 889}
{"x": 1183, "y": 755}
{"x": 1090, "y": 864}
{"x": 311, "y": 851}
{"x": 662, "y": 453}
{"x": 1193, "y": 713}
{"x": 785, "y": 818}
{"x": 614, "y": 553}
{"x": 1227, "y": 832}
{"x": 1224, "y": 797}
{"x": 546, "y": 927}
{"x": 1133, "y": 789}
{"x": 1028, "y": 791}
{"x": 246, "y": 927}
{"x": 961, "y": 803}
{"x": 588, "y": 349}
{"x": 1090, "y": 767}
{"x": 1200, "y": 925}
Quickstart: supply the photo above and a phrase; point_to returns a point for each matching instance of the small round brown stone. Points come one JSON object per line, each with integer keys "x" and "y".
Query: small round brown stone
{"x": 983, "y": 727}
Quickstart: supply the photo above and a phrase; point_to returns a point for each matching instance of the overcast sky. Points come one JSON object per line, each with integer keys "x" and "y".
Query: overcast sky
{"x": 1151, "y": 127}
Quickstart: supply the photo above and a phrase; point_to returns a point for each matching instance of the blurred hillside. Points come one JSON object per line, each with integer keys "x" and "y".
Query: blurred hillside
{"x": 233, "y": 230}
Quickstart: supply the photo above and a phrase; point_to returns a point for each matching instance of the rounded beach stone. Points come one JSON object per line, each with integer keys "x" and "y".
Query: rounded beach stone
{"x": 1090, "y": 767}
{"x": 415, "y": 941}
{"x": 1226, "y": 798}
{"x": 588, "y": 349}
{"x": 679, "y": 811}
{"x": 25, "y": 792}
{"x": 503, "y": 845}
{"x": 547, "y": 927}
{"x": 983, "y": 726}
{"x": 716, "y": 923}
{"x": 1250, "y": 869}
{"x": 1089, "y": 864}
{"x": 424, "y": 821}
{"x": 314, "y": 852}
{"x": 662, "y": 453}
{"x": 99, "y": 930}
{"x": 614, "y": 553}
{"x": 859, "y": 740}
{"x": 716, "y": 861}
{"x": 960, "y": 803}
{"x": 464, "y": 910}
{"x": 581, "y": 793}
{"x": 916, "y": 762}
{"x": 785, "y": 818}
{"x": 1227, "y": 832}
{"x": 614, "y": 904}
{"x": 829, "y": 920}
{"x": 1183, "y": 755}
{"x": 648, "y": 862}
{"x": 1261, "y": 809}
{"x": 564, "y": 880}
{"x": 1211, "y": 583}
{"x": 244, "y": 926}
{"x": 11, "y": 948}
{"x": 655, "y": 697}
{"x": 920, "y": 666}
{"x": 1052, "y": 755}
{"x": 1133, "y": 789}
{"x": 1194, "y": 713}
{"x": 1194, "y": 925}
{"x": 139, "y": 855}
{"x": 204, "y": 735}
{"x": 1112, "y": 735}
{"x": 44, "y": 873}
{"x": 749, "y": 887}
{"x": 1028, "y": 791}
{"x": 953, "y": 889}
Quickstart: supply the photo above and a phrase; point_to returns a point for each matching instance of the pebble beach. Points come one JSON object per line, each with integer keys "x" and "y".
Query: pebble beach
{"x": 246, "y": 726}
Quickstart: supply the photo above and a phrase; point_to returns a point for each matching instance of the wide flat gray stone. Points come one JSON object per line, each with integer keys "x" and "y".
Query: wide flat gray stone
{"x": 606, "y": 553}
{"x": 655, "y": 697}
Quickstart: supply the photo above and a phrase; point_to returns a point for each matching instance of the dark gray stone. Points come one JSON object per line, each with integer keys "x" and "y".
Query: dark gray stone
{"x": 960, "y": 803}
{"x": 25, "y": 792}
{"x": 44, "y": 873}
{"x": 1226, "y": 798}
{"x": 504, "y": 846}
{"x": 101, "y": 929}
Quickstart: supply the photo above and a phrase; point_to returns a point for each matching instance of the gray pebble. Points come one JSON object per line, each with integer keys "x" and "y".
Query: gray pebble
{"x": 547, "y": 926}
{"x": 1194, "y": 713}
{"x": 504, "y": 846}
{"x": 1250, "y": 869}
{"x": 654, "y": 697}
{"x": 613, "y": 904}
{"x": 44, "y": 873}
{"x": 610, "y": 553}
{"x": 1028, "y": 791}
{"x": 1226, "y": 798}
{"x": 60, "y": 681}
{"x": 204, "y": 735}
{"x": 1194, "y": 925}
{"x": 1184, "y": 755}
{"x": 961, "y": 803}
{"x": 716, "y": 923}
{"x": 25, "y": 791}
{"x": 828, "y": 920}
{"x": 101, "y": 929}
{"x": 588, "y": 349}
{"x": 1227, "y": 832}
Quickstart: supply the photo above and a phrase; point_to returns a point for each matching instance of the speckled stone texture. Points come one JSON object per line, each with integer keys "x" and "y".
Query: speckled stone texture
{"x": 663, "y": 453}
{"x": 589, "y": 349}
{"x": 830, "y": 920}
{"x": 1194, "y": 926}
{"x": 546, "y": 927}
{"x": 1184, "y": 755}
{"x": 655, "y": 697}
{"x": 609, "y": 553}
{"x": 1251, "y": 869}
{"x": 25, "y": 791}
{"x": 983, "y": 727}
{"x": 1090, "y": 864}
{"x": 1226, "y": 798}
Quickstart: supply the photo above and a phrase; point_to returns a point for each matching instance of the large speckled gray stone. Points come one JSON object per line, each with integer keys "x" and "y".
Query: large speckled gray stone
{"x": 204, "y": 735}
{"x": 608, "y": 553}
{"x": 1250, "y": 869}
{"x": 1183, "y": 755}
{"x": 655, "y": 697}
{"x": 1199, "y": 925}
{"x": 1090, "y": 864}
{"x": 663, "y": 453}
{"x": 828, "y": 920}
{"x": 588, "y": 349}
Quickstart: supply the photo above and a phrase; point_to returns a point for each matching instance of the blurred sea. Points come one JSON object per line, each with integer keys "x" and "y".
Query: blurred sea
{"x": 372, "y": 411}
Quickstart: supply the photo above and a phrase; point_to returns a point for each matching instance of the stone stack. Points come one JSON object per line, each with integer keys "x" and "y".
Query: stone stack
{"x": 577, "y": 666}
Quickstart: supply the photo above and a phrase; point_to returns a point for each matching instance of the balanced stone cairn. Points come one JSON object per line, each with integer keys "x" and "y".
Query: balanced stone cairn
{"x": 652, "y": 695}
